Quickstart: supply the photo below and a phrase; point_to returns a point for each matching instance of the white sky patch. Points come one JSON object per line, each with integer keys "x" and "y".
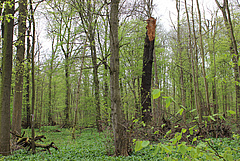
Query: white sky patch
{"x": 166, "y": 10}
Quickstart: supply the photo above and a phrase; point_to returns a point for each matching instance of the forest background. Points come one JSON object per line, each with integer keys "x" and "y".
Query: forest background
{"x": 58, "y": 61}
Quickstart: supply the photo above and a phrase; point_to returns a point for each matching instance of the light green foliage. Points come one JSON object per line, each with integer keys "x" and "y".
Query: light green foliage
{"x": 207, "y": 149}
{"x": 89, "y": 145}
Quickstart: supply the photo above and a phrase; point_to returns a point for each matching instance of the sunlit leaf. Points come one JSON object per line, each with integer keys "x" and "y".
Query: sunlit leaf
{"x": 156, "y": 93}
{"x": 138, "y": 146}
{"x": 145, "y": 143}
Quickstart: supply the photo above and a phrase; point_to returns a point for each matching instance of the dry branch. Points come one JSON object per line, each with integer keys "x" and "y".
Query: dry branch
{"x": 27, "y": 142}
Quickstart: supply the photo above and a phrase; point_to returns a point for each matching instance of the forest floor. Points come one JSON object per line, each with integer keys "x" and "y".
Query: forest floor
{"x": 94, "y": 146}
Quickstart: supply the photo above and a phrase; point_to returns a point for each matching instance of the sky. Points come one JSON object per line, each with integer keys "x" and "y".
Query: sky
{"x": 167, "y": 8}
{"x": 164, "y": 9}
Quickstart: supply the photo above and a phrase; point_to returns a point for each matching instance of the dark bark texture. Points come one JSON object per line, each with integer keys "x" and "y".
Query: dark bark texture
{"x": 146, "y": 79}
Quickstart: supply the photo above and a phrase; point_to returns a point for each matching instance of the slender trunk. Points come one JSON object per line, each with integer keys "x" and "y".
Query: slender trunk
{"x": 203, "y": 60}
{"x": 78, "y": 90}
{"x": 233, "y": 50}
{"x": 67, "y": 98}
{"x": 195, "y": 64}
{"x": 28, "y": 121}
{"x": 33, "y": 77}
{"x": 180, "y": 56}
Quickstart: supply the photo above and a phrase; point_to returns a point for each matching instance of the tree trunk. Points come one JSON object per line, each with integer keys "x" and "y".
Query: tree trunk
{"x": 158, "y": 111}
{"x": 180, "y": 57}
{"x": 27, "y": 95}
{"x": 17, "y": 101}
{"x": 147, "y": 71}
{"x": 121, "y": 139}
{"x": 6, "y": 81}
{"x": 203, "y": 61}
{"x": 33, "y": 76}
{"x": 195, "y": 64}
{"x": 67, "y": 98}
{"x": 233, "y": 50}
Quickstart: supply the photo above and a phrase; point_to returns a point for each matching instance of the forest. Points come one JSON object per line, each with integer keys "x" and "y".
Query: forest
{"x": 108, "y": 80}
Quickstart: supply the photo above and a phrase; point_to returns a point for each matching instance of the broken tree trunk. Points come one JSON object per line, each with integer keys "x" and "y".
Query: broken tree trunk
{"x": 27, "y": 142}
{"x": 147, "y": 70}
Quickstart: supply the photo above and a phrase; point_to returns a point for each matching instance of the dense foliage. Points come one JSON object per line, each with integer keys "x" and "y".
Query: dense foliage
{"x": 91, "y": 145}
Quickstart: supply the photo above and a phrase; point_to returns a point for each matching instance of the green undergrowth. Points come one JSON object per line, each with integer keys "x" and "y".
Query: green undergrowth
{"x": 91, "y": 145}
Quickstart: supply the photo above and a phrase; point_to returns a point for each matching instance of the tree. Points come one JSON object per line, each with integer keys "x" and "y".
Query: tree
{"x": 6, "y": 79}
{"x": 233, "y": 49}
{"x": 180, "y": 58}
{"x": 119, "y": 130}
{"x": 89, "y": 22}
{"x": 17, "y": 102}
{"x": 147, "y": 70}
{"x": 203, "y": 61}
{"x": 190, "y": 46}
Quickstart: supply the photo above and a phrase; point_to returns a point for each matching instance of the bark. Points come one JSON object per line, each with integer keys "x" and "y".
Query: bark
{"x": 195, "y": 64}
{"x": 147, "y": 71}
{"x": 157, "y": 104}
{"x": 67, "y": 98}
{"x": 119, "y": 130}
{"x": 50, "y": 117}
{"x": 32, "y": 22}
{"x": 6, "y": 82}
{"x": 179, "y": 55}
{"x": 78, "y": 91}
{"x": 192, "y": 58}
{"x": 27, "y": 95}
{"x": 233, "y": 50}
{"x": 203, "y": 61}
{"x": 90, "y": 22}
{"x": 17, "y": 102}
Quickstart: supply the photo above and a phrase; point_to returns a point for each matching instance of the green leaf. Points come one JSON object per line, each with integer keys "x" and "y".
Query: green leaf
{"x": 184, "y": 130}
{"x": 156, "y": 150}
{"x": 169, "y": 132}
{"x": 168, "y": 101}
{"x": 192, "y": 110}
{"x": 183, "y": 149}
{"x": 212, "y": 118}
{"x": 191, "y": 130}
{"x": 138, "y": 146}
{"x": 180, "y": 111}
{"x": 167, "y": 150}
{"x": 145, "y": 143}
{"x": 231, "y": 112}
{"x": 156, "y": 93}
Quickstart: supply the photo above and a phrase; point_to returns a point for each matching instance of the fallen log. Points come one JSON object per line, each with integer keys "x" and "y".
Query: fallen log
{"x": 27, "y": 142}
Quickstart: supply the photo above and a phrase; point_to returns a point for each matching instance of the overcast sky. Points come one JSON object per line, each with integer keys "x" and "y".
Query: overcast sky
{"x": 167, "y": 8}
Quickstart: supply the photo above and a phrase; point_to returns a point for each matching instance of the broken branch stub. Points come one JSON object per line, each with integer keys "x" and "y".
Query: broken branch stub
{"x": 151, "y": 28}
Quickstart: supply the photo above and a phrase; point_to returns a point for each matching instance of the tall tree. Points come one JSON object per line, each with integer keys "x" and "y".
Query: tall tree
{"x": 190, "y": 46}
{"x": 180, "y": 58}
{"x": 6, "y": 79}
{"x": 119, "y": 130}
{"x": 233, "y": 49}
{"x": 203, "y": 59}
{"x": 17, "y": 101}
{"x": 85, "y": 9}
